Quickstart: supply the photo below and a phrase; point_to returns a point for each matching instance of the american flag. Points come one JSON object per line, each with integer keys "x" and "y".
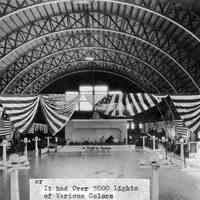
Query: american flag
{"x": 57, "y": 111}
{"x": 6, "y": 128}
{"x": 126, "y": 105}
{"x": 181, "y": 129}
{"x": 106, "y": 104}
{"x": 188, "y": 108}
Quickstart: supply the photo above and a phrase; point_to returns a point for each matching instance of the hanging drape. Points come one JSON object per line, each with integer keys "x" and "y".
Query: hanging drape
{"x": 20, "y": 110}
{"x": 188, "y": 108}
{"x": 126, "y": 105}
{"x": 6, "y": 128}
{"x": 57, "y": 111}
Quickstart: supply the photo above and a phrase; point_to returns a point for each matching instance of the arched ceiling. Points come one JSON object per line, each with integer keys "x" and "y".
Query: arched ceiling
{"x": 154, "y": 43}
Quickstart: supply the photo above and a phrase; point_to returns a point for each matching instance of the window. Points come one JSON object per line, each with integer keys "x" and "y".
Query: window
{"x": 99, "y": 92}
{"x": 86, "y": 98}
{"x": 141, "y": 126}
{"x": 90, "y": 95}
{"x": 130, "y": 125}
{"x": 70, "y": 95}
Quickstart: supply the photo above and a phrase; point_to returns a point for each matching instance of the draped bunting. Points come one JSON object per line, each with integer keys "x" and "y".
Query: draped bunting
{"x": 57, "y": 111}
{"x": 6, "y": 128}
{"x": 58, "y": 108}
{"x": 180, "y": 128}
{"x": 126, "y": 105}
{"x": 188, "y": 108}
{"x": 20, "y": 110}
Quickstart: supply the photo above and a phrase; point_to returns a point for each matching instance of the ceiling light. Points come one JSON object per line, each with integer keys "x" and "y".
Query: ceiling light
{"x": 89, "y": 58}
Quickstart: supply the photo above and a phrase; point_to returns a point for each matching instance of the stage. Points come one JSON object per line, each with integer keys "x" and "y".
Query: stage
{"x": 96, "y": 131}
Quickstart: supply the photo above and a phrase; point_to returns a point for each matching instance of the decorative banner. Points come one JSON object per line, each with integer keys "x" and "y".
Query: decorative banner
{"x": 89, "y": 189}
{"x": 6, "y": 128}
{"x": 20, "y": 110}
{"x": 57, "y": 111}
{"x": 188, "y": 108}
{"x": 126, "y": 105}
{"x": 181, "y": 129}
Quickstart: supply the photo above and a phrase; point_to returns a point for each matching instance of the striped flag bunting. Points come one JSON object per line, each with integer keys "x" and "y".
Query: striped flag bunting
{"x": 20, "y": 110}
{"x": 188, "y": 108}
{"x": 6, "y": 128}
{"x": 126, "y": 105}
{"x": 180, "y": 128}
{"x": 57, "y": 111}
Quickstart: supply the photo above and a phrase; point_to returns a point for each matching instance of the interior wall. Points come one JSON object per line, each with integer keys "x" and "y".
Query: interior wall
{"x": 96, "y": 130}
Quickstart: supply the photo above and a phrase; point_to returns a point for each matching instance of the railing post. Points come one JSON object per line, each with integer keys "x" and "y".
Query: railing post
{"x": 14, "y": 185}
{"x": 4, "y": 151}
{"x": 155, "y": 182}
{"x": 154, "y": 143}
{"x": 48, "y": 142}
{"x": 36, "y": 147}
{"x": 182, "y": 152}
{"x": 143, "y": 141}
{"x": 25, "y": 148}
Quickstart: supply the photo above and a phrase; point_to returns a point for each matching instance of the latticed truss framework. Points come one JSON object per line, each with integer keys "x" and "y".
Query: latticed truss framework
{"x": 154, "y": 43}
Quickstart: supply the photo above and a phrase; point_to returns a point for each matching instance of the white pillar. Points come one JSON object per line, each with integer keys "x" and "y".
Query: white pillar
{"x": 143, "y": 141}
{"x": 189, "y": 148}
{"x": 25, "y": 148}
{"x": 4, "y": 151}
{"x": 14, "y": 185}
{"x": 155, "y": 182}
{"x": 48, "y": 142}
{"x": 182, "y": 152}
{"x": 36, "y": 147}
{"x": 154, "y": 143}
{"x": 56, "y": 140}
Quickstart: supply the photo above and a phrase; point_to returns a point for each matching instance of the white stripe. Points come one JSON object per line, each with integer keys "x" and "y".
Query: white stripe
{"x": 111, "y": 105}
{"x": 193, "y": 114}
{"x": 11, "y": 98}
{"x": 145, "y": 107}
{"x": 129, "y": 107}
{"x": 135, "y": 103}
{"x": 186, "y": 104}
{"x": 187, "y": 109}
{"x": 120, "y": 106}
{"x": 185, "y": 97}
{"x": 149, "y": 99}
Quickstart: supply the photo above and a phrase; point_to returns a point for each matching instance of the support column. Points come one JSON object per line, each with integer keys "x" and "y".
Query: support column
{"x": 154, "y": 143}
{"x": 4, "y": 151}
{"x": 143, "y": 141}
{"x": 48, "y": 142}
{"x": 155, "y": 182}
{"x": 14, "y": 185}
{"x": 56, "y": 140}
{"x": 36, "y": 147}
{"x": 189, "y": 148}
{"x": 182, "y": 152}
{"x": 25, "y": 148}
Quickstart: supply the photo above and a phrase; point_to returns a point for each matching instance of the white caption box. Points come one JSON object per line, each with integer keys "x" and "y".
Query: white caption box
{"x": 89, "y": 189}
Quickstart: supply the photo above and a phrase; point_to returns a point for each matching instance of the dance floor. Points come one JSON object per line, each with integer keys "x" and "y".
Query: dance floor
{"x": 175, "y": 184}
